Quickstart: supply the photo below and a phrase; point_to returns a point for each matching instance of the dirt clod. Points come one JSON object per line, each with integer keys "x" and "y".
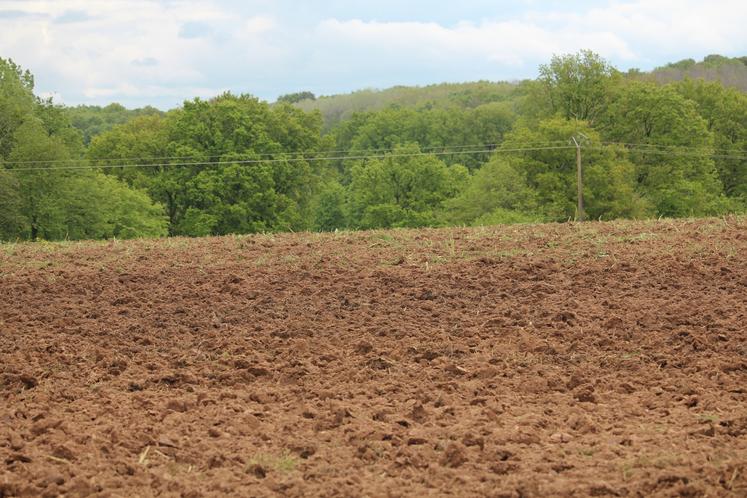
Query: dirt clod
{"x": 454, "y": 456}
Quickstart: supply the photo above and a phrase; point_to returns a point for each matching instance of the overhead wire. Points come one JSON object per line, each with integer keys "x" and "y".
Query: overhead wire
{"x": 268, "y": 154}
{"x": 289, "y": 159}
{"x": 384, "y": 153}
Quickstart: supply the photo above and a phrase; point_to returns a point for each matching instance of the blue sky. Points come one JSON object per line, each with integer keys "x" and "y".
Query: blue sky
{"x": 161, "y": 52}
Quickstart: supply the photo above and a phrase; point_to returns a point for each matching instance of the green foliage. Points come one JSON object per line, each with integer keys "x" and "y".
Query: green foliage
{"x": 576, "y": 86}
{"x": 421, "y": 156}
{"x": 294, "y": 98}
{"x": 256, "y": 187}
{"x": 40, "y": 191}
{"x": 497, "y": 191}
{"x": 122, "y": 212}
{"x": 132, "y": 143}
{"x": 12, "y": 219}
{"x": 402, "y": 189}
{"x": 97, "y": 206}
{"x": 237, "y": 199}
{"x": 725, "y": 112}
{"x": 329, "y": 208}
{"x": 93, "y": 120}
{"x": 684, "y": 64}
{"x": 677, "y": 182}
{"x": 75, "y": 204}
{"x": 339, "y": 108}
{"x": 609, "y": 179}
{"x": 610, "y": 185}
{"x": 729, "y": 72}
{"x": 16, "y": 101}
{"x": 40, "y": 196}
{"x": 431, "y": 128}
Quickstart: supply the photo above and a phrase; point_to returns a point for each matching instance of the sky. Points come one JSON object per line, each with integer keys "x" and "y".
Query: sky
{"x": 161, "y": 52}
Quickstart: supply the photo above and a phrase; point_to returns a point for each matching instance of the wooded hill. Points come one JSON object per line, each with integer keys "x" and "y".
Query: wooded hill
{"x": 447, "y": 154}
{"x": 730, "y": 72}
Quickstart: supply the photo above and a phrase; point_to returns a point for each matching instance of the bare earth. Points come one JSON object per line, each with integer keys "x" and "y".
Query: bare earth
{"x": 599, "y": 359}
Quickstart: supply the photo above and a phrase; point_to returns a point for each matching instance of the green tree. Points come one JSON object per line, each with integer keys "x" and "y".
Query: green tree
{"x": 16, "y": 101}
{"x": 40, "y": 195}
{"x": 93, "y": 120}
{"x": 294, "y": 98}
{"x": 98, "y": 206}
{"x": 231, "y": 164}
{"x": 576, "y": 86}
{"x": 677, "y": 181}
{"x": 329, "y": 208}
{"x": 337, "y": 109}
{"x": 235, "y": 198}
{"x": 121, "y": 211}
{"x": 725, "y": 112}
{"x": 247, "y": 194}
{"x": 402, "y": 189}
{"x": 61, "y": 203}
{"x": 40, "y": 190}
{"x": 142, "y": 141}
{"x": 56, "y": 122}
{"x": 609, "y": 177}
{"x": 432, "y": 128}
{"x": 497, "y": 193}
{"x": 12, "y": 221}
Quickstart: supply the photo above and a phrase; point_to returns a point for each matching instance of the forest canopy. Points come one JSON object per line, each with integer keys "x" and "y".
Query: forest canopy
{"x": 448, "y": 154}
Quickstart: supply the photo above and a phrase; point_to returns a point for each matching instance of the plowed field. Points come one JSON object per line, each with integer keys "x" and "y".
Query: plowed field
{"x": 550, "y": 360}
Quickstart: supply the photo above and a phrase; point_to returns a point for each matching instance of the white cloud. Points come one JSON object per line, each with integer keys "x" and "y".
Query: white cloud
{"x": 622, "y": 31}
{"x": 132, "y": 51}
{"x": 655, "y": 28}
{"x": 129, "y": 90}
{"x": 117, "y": 49}
{"x": 509, "y": 42}
{"x": 259, "y": 25}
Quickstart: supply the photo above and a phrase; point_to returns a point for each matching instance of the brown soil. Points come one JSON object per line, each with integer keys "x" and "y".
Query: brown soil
{"x": 553, "y": 360}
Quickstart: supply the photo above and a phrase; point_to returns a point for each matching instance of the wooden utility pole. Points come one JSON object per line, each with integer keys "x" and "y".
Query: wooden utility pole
{"x": 581, "y": 215}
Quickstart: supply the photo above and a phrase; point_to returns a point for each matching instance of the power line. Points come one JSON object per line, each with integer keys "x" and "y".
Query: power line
{"x": 386, "y": 153}
{"x": 269, "y": 154}
{"x": 627, "y": 145}
{"x": 291, "y": 159}
{"x": 211, "y": 156}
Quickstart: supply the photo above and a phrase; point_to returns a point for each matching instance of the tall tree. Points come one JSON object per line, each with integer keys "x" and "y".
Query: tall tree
{"x": 402, "y": 189}
{"x": 496, "y": 193}
{"x": 238, "y": 164}
{"x": 61, "y": 203}
{"x": 41, "y": 196}
{"x": 681, "y": 178}
{"x": 16, "y": 101}
{"x": 329, "y": 208}
{"x": 41, "y": 191}
{"x": 725, "y": 112}
{"x": 576, "y": 86}
{"x": 609, "y": 177}
{"x": 294, "y": 98}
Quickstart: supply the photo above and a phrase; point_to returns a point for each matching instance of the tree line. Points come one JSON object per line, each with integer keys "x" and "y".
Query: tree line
{"x": 447, "y": 155}
{"x": 729, "y": 71}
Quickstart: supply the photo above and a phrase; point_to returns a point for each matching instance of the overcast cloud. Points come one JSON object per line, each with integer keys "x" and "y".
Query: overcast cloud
{"x": 162, "y": 52}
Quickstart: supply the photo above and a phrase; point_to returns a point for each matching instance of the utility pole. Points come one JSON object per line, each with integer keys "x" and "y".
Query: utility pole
{"x": 581, "y": 216}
